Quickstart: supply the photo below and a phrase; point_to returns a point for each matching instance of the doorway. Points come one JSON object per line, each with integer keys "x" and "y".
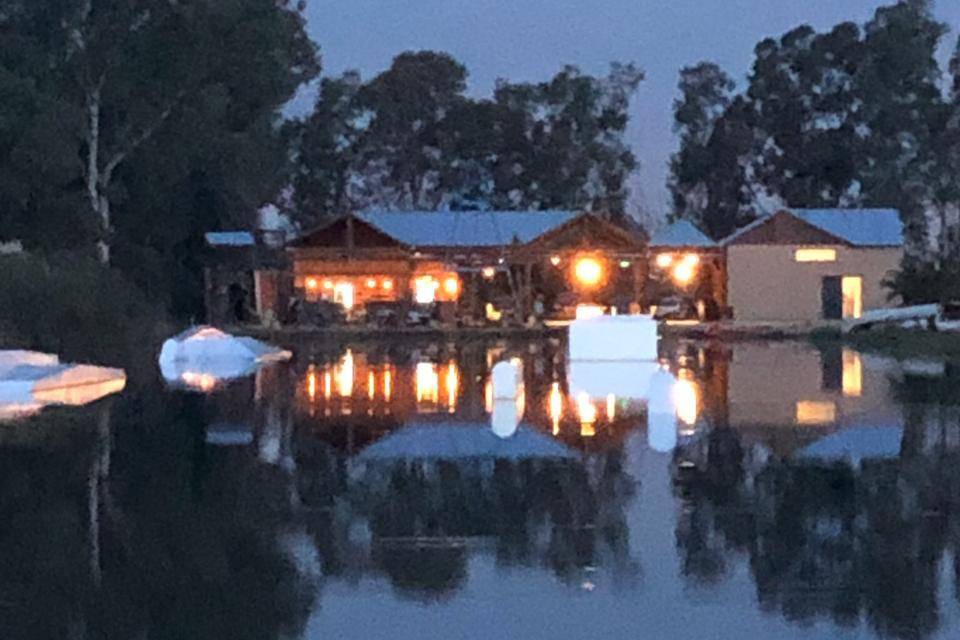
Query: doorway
{"x": 842, "y": 297}
{"x": 852, "y": 287}
{"x": 343, "y": 293}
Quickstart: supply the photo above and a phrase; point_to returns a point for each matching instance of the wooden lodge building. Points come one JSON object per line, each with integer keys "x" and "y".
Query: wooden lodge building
{"x": 474, "y": 267}
{"x": 467, "y": 266}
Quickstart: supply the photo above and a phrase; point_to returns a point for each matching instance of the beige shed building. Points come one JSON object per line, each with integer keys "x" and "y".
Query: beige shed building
{"x": 812, "y": 264}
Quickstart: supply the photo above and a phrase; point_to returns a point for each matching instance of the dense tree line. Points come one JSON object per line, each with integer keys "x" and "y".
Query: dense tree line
{"x": 410, "y": 138}
{"x": 129, "y": 128}
{"x": 855, "y": 116}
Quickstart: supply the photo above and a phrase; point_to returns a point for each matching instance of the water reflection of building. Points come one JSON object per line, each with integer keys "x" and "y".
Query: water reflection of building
{"x": 367, "y": 394}
{"x": 764, "y": 387}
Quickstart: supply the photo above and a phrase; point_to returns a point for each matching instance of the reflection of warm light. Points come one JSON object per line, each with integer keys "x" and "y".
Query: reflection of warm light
{"x": 451, "y": 285}
{"x": 452, "y": 383}
{"x": 327, "y": 385}
{"x": 312, "y": 385}
{"x": 554, "y": 260}
{"x": 387, "y": 385}
{"x": 664, "y": 260}
{"x": 521, "y": 400}
{"x": 312, "y": 283}
{"x": 371, "y": 283}
{"x": 814, "y": 412}
{"x": 344, "y": 371}
{"x": 555, "y": 403}
{"x": 387, "y": 284}
{"x": 371, "y": 385}
{"x": 587, "y": 311}
{"x": 488, "y": 396}
{"x": 201, "y": 381}
{"x": 588, "y": 272}
{"x": 685, "y": 399}
{"x": 488, "y": 272}
{"x": 611, "y": 407}
{"x": 587, "y": 412}
{"x": 852, "y": 374}
{"x": 428, "y": 383}
{"x": 424, "y": 290}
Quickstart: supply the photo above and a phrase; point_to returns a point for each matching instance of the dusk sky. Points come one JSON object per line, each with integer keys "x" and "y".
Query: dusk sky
{"x": 530, "y": 40}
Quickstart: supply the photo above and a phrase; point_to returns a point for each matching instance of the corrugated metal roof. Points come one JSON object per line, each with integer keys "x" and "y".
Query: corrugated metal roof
{"x": 681, "y": 233}
{"x": 859, "y": 227}
{"x": 862, "y": 227}
{"x": 466, "y": 228}
{"x": 229, "y": 238}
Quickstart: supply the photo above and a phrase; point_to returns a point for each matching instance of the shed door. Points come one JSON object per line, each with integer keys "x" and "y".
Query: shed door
{"x": 831, "y": 296}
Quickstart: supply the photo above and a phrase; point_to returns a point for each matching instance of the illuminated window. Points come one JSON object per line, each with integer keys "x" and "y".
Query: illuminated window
{"x": 425, "y": 290}
{"x": 814, "y": 412}
{"x": 815, "y": 255}
{"x": 664, "y": 260}
{"x": 427, "y": 385}
{"x": 852, "y": 374}
{"x": 343, "y": 294}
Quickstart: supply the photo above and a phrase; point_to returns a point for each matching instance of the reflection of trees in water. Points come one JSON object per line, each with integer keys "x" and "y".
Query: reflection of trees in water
{"x": 422, "y": 518}
{"x": 188, "y": 534}
{"x": 828, "y": 539}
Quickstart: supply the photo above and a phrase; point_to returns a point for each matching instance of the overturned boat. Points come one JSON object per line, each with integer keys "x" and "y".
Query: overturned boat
{"x": 31, "y": 380}
{"x": 202, "y": 357}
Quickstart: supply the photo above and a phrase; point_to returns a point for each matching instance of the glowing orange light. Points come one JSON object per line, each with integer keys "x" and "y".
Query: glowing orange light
{"x": 588, "y": 414}
{"x": 371, "y": 385}
{"x": 327, "y": 385}
{"x": 452, "y": 383}
{"x": 312, "y": 283}
{"x": 328, "y": 284}
{"x": 664, "y": 260}
{"x": 387, "y": 385}
{"x": 424, "y": 290}
{"x": 686, "y": 398}
{"x": 451, "y": 285}
{"x": 312, "y": 385}
{"x": 588, "y": 272}
{"x": 488, "y": 396}
{"x": 555, "y": 405}
{"x": 555, "y": 260}
{"x": 427, "y": 383}
{"x": 344, "y": 371}
{"x": 611, "y": 407}
{"x": 683, "y": 273}
{"x": 488, "y": 272}
{"x": 387, "y": 284}
{"x": 371, "y": 283}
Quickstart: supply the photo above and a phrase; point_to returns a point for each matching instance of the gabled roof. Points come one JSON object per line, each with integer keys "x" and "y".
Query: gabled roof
{"x": 466, "y": 228}
{"x": 857, "y": 227}
{"x": 681, "y": 233}
{"x": 229, "y": 238}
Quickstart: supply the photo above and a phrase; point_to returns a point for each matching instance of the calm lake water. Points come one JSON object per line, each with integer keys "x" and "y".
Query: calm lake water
{"x": 800, "y": 494}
